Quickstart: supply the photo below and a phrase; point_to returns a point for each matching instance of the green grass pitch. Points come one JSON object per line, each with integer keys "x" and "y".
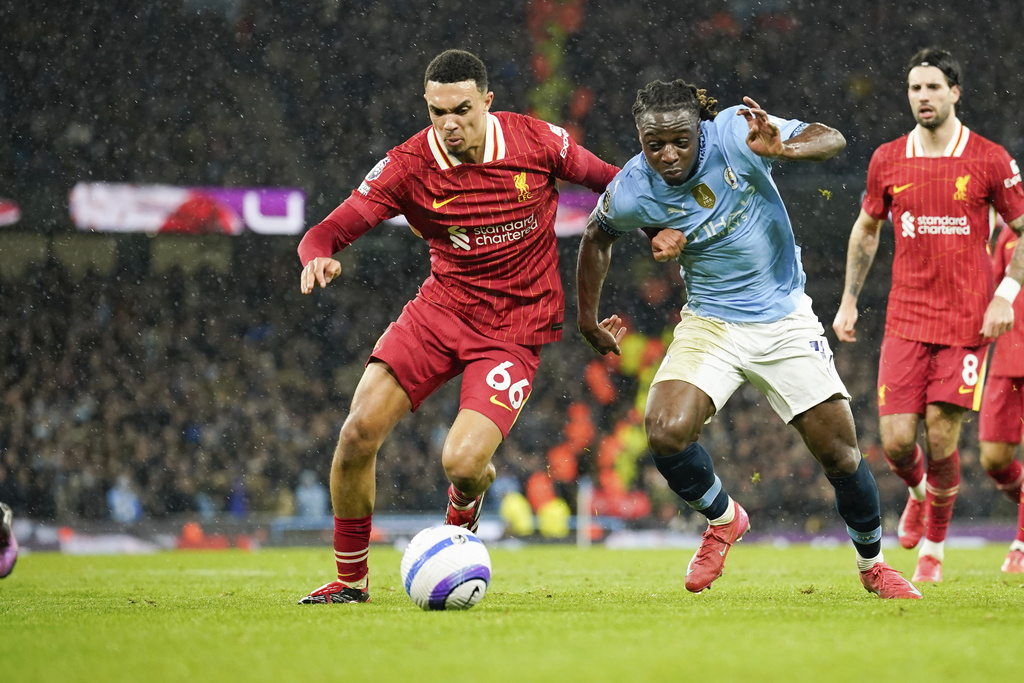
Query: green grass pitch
{"x": 552, "y": 613}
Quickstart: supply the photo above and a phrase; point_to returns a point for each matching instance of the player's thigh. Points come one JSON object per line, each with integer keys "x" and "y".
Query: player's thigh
{"x": 498, "y": 380}
{"x": 418, "y": 347}
{"x": 701, "y": 354}
{"x": 378, "y": 403}
{"x": 904, "y": 369}
{"x": 1002, "y": 410}
{"x": 676, "y": 411}
{"x": 790, "y": 362}
{"x": 954, "y": 376}
{"x": 470, "y": 444}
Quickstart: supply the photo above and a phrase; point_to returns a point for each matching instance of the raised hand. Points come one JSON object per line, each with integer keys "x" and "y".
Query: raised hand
{"x": 764, "y": 137}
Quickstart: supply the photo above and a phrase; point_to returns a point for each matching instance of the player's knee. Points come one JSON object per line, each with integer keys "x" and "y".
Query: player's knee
{"x": 667, "y": 434}
{"x": 358, "y": 442}
{"x": 994, "y": 458}
{"x": 840, "y": 462}
{"x": 467, "y": 472}
{"x": 898, "y": 446}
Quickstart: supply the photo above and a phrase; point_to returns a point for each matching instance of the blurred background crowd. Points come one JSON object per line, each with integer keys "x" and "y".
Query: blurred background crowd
{"x": 141, "y": 389}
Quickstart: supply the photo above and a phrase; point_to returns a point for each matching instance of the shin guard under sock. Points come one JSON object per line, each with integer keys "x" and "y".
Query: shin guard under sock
{"x": 858, "y": 505}
{"x": 691, "y": 474}
{"x": 943, "y": 484}
{"x": 351, "y": 548}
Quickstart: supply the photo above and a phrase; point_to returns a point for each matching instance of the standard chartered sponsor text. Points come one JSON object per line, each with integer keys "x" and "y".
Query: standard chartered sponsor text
{"x": 507, "y": 232}
{"x": 943, "y": 225}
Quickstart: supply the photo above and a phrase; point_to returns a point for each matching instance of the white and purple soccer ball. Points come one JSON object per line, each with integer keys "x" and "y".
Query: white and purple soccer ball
{"x": 446, "y": 567}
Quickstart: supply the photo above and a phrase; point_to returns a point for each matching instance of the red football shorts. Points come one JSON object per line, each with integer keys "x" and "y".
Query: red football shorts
{"x": 913, "y": 374}
{"x": 429, "y": 345}
{"x": 1002, "y": 410}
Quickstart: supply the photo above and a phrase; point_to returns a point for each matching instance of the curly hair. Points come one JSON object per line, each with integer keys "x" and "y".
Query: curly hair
{"x": 658, "y": 96}
{"x": 455, "y": 66}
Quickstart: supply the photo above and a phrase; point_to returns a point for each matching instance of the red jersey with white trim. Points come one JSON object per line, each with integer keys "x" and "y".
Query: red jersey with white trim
{"x": 1008, "y": 356}
{"x": 490, "y": 226}
{"x": 941, "y": 216}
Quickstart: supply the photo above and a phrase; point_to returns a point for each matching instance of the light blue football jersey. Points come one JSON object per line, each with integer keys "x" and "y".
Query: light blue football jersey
{"x": 741, "y": 262}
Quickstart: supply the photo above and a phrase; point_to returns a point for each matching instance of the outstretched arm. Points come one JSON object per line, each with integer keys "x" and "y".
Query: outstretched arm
{"x": 816, "y": 142}
{"x": 320, "y": 242}
{"x": 999, "y": 314}
{"x": 591, "y": 268}
{"x": 859, "y": 256}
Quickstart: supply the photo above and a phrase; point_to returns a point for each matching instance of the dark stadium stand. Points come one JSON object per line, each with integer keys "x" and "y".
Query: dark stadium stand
{"x": 194, "y": 366}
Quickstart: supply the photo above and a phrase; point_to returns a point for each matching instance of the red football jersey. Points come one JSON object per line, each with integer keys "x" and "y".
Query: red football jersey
{"x": 1008, "y": 356}
{"x": 941, "y": 214}
{"x": 490, "y": 226}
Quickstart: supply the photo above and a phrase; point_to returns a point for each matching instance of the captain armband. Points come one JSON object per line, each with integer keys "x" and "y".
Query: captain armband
{"x": 609, "y": 229}
{"x": 1008, "y": 289}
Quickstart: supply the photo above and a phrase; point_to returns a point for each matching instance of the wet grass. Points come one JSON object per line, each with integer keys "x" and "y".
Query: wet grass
{"x": 552, "y": 613}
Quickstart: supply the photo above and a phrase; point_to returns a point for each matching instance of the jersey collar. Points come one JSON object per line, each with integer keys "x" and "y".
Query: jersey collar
{"x": 494, "y": 145}
{"x": 955, "y": 148}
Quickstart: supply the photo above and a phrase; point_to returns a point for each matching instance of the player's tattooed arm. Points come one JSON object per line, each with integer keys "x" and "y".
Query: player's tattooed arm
{"x": 860, "y": 254}
{"x": 999, "y": 314}
{"x": 1015, "y": 269}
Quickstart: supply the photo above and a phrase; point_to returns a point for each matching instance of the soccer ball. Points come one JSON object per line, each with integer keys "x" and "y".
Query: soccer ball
{"x": 446, "y": 567}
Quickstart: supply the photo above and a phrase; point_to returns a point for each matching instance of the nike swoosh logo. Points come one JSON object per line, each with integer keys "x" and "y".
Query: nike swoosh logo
{"x": 722, "y": 553}
{"x": 438, "y": 205}
{"x": 495, "y": 401}
{"x": 897, "y": 190}
{"x": 965, "y": 390}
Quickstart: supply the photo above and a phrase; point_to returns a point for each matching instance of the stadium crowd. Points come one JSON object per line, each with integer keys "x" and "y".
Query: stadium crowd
{"x": 210, "y": 390}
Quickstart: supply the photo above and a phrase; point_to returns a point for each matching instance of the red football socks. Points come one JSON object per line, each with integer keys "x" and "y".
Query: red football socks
{"x": 459, "y": 499}
{"x": 1009, "y": 479}
{"x": 351, "y": 548}
{"x": 943, "y": 484}
{"x": 911, "y": 471}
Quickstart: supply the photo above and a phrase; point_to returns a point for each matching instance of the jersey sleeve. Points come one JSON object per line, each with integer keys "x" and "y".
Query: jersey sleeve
{"x": 569, "y": 161}
{"x": 876, "y": 201}
{"x": 377, "y": 197}
{"x": 617, "y": 213}
{"x": 1006, "y": 188}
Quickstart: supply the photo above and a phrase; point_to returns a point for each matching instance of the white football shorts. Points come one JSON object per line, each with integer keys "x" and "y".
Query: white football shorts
{"x": 789, "y": 361}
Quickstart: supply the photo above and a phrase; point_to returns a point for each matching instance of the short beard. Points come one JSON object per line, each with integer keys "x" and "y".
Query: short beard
{"x": 934, "y": 123}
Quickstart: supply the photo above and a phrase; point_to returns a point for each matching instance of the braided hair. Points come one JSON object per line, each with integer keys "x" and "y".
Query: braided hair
{"x": 658, "y": 96}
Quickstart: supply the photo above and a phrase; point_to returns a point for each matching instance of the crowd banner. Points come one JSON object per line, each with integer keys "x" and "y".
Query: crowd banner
{"x": 124, "y": 207}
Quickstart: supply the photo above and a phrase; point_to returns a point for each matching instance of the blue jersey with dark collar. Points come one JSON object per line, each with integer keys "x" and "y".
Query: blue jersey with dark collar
{"x": 741, "y": 262}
